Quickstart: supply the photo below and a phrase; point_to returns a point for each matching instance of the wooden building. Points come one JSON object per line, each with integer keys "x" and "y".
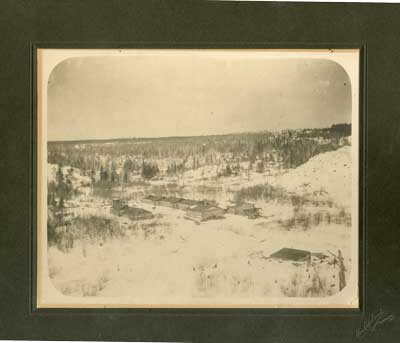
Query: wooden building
{"x": 203, "y": 213}
{"x": 244, "y": 209}
{"x": 118, "y": 205}
{"x": 121, "y": 208}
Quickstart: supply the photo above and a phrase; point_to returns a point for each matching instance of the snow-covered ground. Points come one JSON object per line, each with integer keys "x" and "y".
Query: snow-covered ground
{"x": 170, "y": 259}
{"x": 329, "y": 172}
{"x": 186, "y": 260}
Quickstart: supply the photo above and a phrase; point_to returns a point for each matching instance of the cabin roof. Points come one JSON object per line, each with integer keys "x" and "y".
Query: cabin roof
{"x": 291, "y": 254}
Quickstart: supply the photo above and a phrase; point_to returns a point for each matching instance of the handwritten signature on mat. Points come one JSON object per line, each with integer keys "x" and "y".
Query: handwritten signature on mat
{"x": 371, "y": 323}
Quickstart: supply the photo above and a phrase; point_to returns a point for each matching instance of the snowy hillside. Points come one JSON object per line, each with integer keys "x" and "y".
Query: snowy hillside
{"x": 329, "y": 172}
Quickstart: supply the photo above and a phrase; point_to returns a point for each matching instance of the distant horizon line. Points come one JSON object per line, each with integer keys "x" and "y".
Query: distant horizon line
{"x": 189, "y": 136}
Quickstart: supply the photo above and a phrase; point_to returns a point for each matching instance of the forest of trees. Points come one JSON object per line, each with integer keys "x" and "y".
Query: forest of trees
{"x": 290, "y": 148}
{"x": 61, "y": 189}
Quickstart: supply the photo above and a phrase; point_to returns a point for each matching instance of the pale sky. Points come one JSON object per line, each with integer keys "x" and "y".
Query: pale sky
{"x": 184, "y": 95}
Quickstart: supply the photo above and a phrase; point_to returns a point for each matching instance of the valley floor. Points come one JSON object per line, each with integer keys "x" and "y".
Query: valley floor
{"x": 170, "y": 259}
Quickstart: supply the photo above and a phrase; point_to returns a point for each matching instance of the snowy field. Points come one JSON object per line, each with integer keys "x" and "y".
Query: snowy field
{"x": 171, "y": 259}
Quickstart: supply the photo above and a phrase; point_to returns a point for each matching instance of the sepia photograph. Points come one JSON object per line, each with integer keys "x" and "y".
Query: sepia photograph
{"x": 198, "y": 178}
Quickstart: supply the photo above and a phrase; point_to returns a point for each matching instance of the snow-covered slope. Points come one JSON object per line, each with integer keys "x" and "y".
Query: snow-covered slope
{"x": 330, "y": 172}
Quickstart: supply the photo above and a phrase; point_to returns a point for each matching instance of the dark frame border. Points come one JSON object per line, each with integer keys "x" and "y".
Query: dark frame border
{"x": 26, "y": 25}
{"x": 201, "y": 312}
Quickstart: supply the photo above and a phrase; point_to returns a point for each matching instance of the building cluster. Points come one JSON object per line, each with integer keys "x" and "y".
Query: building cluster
{"x": 198, "y": 210}
{"x": 202, "y": 210}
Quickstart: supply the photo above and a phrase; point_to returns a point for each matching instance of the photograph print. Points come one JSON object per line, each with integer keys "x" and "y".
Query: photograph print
{"x": 197, "y": 178}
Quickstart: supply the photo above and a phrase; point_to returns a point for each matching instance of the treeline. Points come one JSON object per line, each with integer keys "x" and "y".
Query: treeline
{"x": 290, "y": 148}
{"x": 109, "y": 177}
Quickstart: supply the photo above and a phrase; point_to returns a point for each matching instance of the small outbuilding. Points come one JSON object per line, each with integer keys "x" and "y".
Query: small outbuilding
{"x": 118, "y": 205}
